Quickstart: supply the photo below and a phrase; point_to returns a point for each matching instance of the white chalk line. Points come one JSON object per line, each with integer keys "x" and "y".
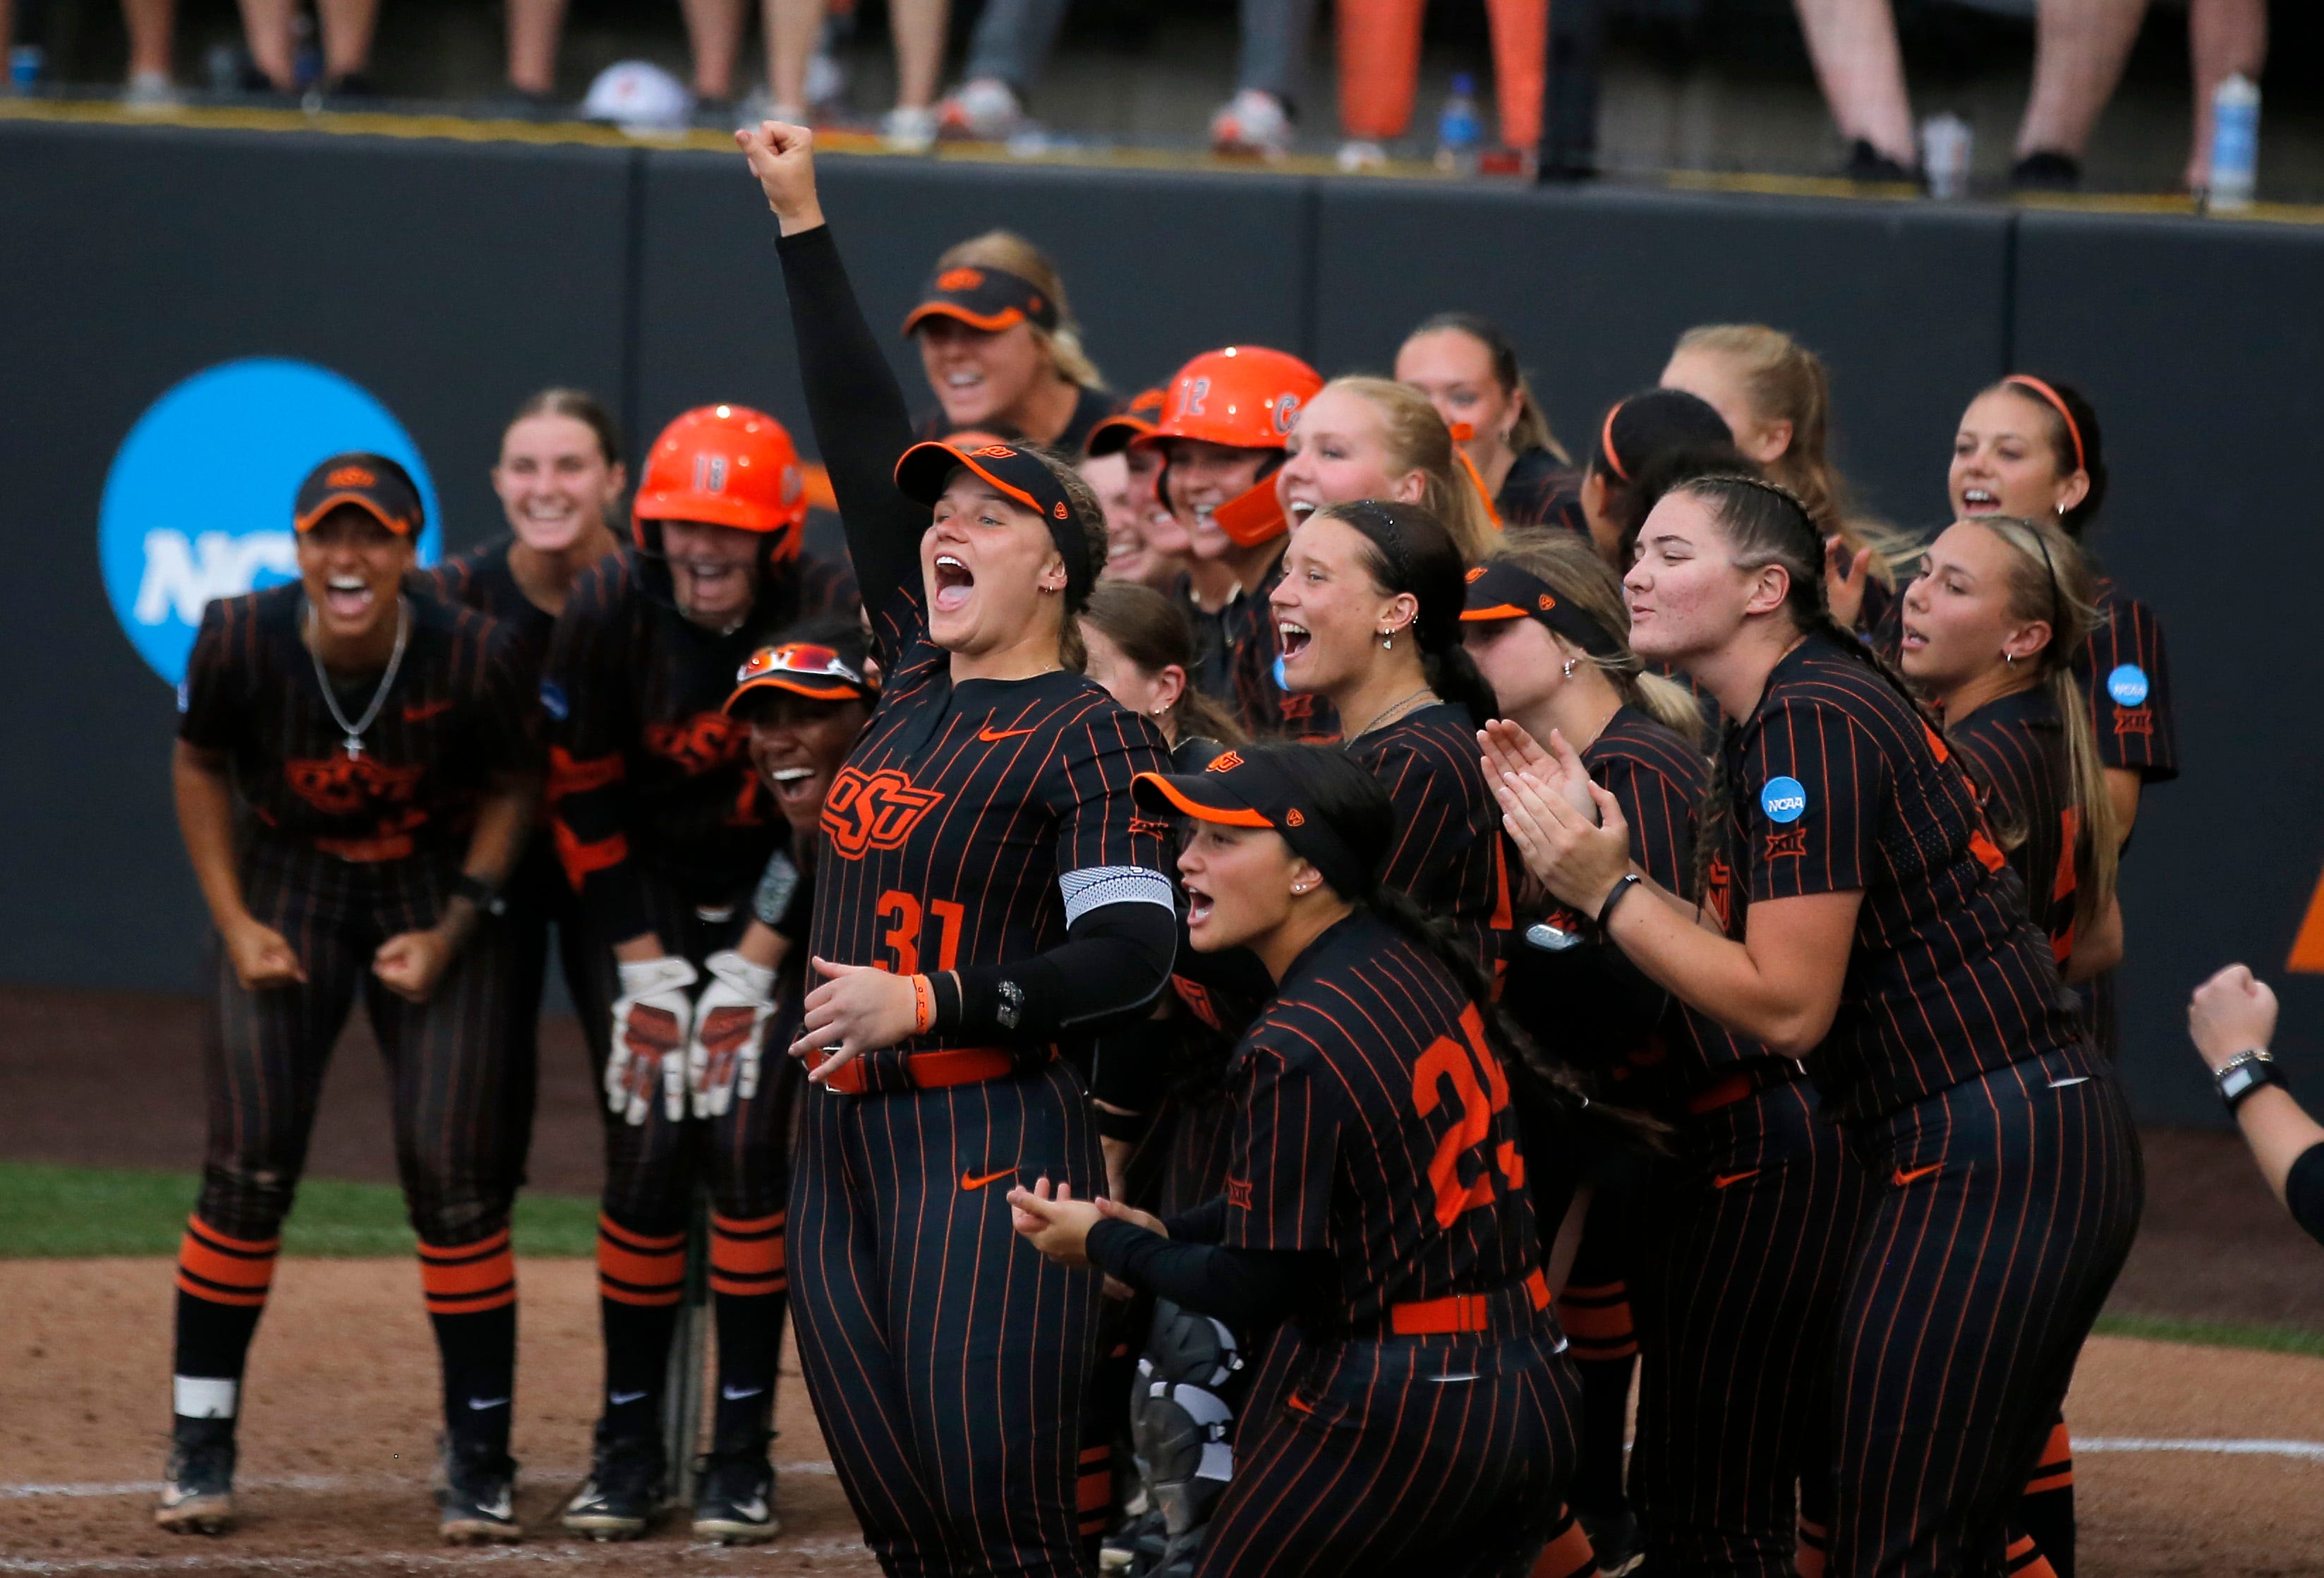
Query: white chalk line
{"x": 563, "y": 1554}
{"x": 23, "y": 1492}
{"x": 2313, "y": 1451}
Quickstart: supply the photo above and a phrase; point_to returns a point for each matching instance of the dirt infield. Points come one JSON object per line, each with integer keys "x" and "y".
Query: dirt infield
{"x": 340, "y": 1418}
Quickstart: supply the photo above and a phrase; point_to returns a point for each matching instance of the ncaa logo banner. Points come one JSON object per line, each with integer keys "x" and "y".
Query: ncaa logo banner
{"x": 198, "y": 503}
{"x": 1785, "y": 799}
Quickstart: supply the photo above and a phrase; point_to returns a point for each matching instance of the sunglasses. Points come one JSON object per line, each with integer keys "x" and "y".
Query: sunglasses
{"x": 803, "y": 660}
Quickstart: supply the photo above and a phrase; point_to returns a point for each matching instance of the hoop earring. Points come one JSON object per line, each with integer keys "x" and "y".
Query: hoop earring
{"x": 1569, "y": 668}
{"x": 2010, "y": 656}
{"x": 2062, "y": 512}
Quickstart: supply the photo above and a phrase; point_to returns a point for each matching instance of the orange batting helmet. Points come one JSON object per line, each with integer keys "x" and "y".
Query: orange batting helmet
{"x": 725, "y": 465}
{"x": 1246, "y": 397}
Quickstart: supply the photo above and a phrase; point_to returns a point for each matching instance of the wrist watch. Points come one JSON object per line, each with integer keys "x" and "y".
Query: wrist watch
{"x": 481, "y": 894}
{"x": 2244, "y": 1073}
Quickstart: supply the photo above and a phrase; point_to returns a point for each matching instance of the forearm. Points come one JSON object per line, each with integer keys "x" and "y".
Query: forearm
{"x": 2278, "y": 1131}
{"x": 205, "y": 801}
{"x": 1244, "y": 1288}
{"x": 1724, "y": 979}
{"x": 2096, "y": 949}
{"x": 762, "y": 945}
{"x": 503, "y": 817}
{"x": 1115, "y": 962}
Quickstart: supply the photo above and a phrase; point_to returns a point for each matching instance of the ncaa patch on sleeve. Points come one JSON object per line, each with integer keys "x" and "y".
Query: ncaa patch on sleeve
{"x": 2127, "y": 685}
{"x": 1785, "y": 799}
{"x": 553, "y": 702}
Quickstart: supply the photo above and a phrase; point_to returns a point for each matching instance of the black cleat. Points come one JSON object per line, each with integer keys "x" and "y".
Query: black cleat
{"x": 478, "y": 1498}
{"x": 736, "y": 1503}
{"x": 625, "y": 1491}
{"x": 197, "y": 1497}
{"x": 1868, "y": 166}
{"x": 2045, "y": 169}
{"x": 1614, "y": 1537}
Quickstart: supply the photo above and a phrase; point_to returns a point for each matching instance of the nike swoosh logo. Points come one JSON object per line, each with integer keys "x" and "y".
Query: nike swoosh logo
{"x": 994, "y": 736}
{"x": 2058, "y": 1085}
{"x": 732, "y": 1396}
{"x": 419, "y": 712}
{"x": 481, "y": 1404}
{"x": 619, "y": 1399}
{"x": 1724, "y": 1179}
{"x": 1905, "y": 1177}
{"x": 967, "y": 1182}
{"x": 755, "y": 1510}
{"x": 1441, "y": 1380}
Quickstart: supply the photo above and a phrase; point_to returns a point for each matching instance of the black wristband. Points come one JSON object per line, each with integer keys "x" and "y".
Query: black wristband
{"x": 481, "y": 894}
{"x": 1126, "y": 1126}
{"x": 1606, "y": 910}
{"x": 2244, "y": 1073}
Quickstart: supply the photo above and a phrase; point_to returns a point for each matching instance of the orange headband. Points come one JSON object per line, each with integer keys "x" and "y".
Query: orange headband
{"x": 2073, "y": 428}
{"x": 1606, "y": 442}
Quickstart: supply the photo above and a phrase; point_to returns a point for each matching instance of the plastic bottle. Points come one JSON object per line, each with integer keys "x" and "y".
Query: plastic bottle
{"x": 2234, "y": 144}
{"x": 1946, "y": 143}
{"x": 26, "y": 65}
{"x": 1459, "y": 128}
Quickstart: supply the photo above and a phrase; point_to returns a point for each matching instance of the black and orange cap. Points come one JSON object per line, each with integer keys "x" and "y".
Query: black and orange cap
{"x": 983, "y": 298}
{"x": 1236, "y": 790}
{"x": 1016, "y": 473}
{"x": 372, "y": 482}
{"x": 1133, "y": 422}
{"x": 1503, "y": 591}
{"x": 807, "y": 669}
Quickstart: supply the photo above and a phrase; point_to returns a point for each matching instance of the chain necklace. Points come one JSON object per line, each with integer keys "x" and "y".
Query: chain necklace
{"x": 355, "y": 731}
{"x": 1381, "y": 716}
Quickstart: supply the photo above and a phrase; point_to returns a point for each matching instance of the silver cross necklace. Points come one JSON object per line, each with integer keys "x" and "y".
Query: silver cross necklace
{"x": 355, "y": 731}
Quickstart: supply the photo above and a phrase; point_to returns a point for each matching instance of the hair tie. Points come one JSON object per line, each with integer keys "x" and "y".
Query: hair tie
{"x": 2057, "y": 402}
{"x": 1606, "y": 443}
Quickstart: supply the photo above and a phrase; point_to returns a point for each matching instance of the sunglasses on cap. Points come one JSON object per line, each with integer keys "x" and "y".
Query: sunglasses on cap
{"x": 803, "y": 668}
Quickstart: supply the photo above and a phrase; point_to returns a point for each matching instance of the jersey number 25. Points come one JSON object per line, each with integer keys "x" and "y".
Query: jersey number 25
{"x": 1448, "y": 1062}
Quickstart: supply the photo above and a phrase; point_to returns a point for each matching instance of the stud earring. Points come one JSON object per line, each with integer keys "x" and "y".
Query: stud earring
{"x": 2010, "y": 656}
{"x": 1569, "y": 668}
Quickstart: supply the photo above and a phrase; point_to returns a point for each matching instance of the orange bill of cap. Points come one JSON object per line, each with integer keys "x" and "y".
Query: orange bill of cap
{"x": 1200, "y": 795}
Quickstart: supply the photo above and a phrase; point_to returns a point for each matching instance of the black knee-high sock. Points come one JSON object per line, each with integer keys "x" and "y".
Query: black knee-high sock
{"x": 222, "y": 1285}
{"x": 748, "y": 1285}
{"x": 471, "y": 1295}
{"x": 640, "y": 1278}
{"x": 2046, "y": 1510}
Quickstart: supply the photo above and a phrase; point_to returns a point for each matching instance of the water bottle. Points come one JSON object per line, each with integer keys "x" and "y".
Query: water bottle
{"x": 1946, "y": 141}
{"x": 2234, "y": 143}
{"x": 1459, "y": 129}
{"x": 25, "y": 64}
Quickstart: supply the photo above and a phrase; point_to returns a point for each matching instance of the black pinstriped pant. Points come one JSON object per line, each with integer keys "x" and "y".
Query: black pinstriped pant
{"x": 537, "y": 897}
{"x": 947, "y": 1358}
{"x": 2003, "y": 1209}
{"x": 650, "y": 1167}
{"x": 1737, "y": 1283}
{"x": 267, "y": 1051}
{"x": 1445, "y": 1455}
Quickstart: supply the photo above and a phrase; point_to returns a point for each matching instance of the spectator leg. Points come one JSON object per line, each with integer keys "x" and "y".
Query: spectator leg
{"x": 1274, "y": 48}
{"x": 534, "y": 27}
{"x": 152, "y": 31}
{"x": 792, "y": 28}
{"x": 1520, "y": 65}
{"x": 713, "y": 33}
{"x": 1012, "y": 43}
{"x": 1861, "y": 69}
{"x": 1569, "y": 133}
{"x": 919, "y": 29}
{"x": 2224, "y": 37}
{"x": 1379, "y": 65}
{"x": 2080, "y": 49}
{"x": 348, "y": 29}
{"x": 266, "y": 34}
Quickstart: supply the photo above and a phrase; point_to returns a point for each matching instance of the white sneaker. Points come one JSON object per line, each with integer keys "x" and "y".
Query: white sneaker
{"x": 984, "y": 111}
{"x": 1251, "y": 121}
{"x": 758, "y": 104}
{"x": 1358, "y": 154}
{"x": 826, "y": 80}
{"x": 152, "y": 93}
{"x": 908, "y": 130}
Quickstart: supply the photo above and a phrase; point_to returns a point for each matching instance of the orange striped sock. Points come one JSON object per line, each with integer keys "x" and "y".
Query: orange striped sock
{"x": 1096, "y": 1489}
{"x": 225, "y": 1270}
{"x": 1568, "y": 1554}
{"x": 635, "y": 1268}
{"x": 2027, "y": 1560}
{"x": 470, "y": 1291}
{"x": 1814, "y": 1549}
{"x": 468, "y": 1279}
{"x": 746, "y": 1255}
{"x": 1596, "y": 1320}
{"x": 222, "y": 1284}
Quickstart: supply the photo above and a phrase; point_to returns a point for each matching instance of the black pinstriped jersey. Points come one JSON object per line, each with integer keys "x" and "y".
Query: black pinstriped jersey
{"x": 2014, "y": 752}
{"x": 481, "y": 579}
{"x": 644, "y": 765}
{"x": 1374, "y": 1121}
{"x": 458, "y": 712}
{"x": 2127, "y": 675}
{"x": 1447, "y": 855}
{"x": 1838, "y": 785}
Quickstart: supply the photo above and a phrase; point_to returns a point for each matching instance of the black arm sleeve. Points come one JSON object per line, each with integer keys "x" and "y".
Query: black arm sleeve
{"x": 1129, "y": 1067}
{"x": 1587, "y": 1006}
{"x": 1244, "y": 1288}
{"x": 1202, "y": 1224}
{"x": 1114, "y": 963}
{"x": 860, "y": 423}
{"x": 2303, "y": 1190}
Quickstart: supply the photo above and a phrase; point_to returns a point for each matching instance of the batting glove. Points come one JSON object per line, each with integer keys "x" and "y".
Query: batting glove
{"x": 651, "y": 1019}
{"x": 730, "y": 1023}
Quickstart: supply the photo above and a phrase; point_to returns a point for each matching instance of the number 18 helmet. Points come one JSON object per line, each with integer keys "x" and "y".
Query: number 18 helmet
{"x": 724, "y": 466}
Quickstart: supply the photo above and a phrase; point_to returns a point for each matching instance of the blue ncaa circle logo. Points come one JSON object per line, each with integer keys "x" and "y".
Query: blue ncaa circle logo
{"x": 1785, "y": 799}
{"x": 2127, "y": 685}
{"x": 197, "y": 503}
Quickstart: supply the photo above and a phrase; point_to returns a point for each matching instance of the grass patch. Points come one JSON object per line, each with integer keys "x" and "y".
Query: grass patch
{"x": 2213, "y": 1334}
{"x": 69, "y": 1212}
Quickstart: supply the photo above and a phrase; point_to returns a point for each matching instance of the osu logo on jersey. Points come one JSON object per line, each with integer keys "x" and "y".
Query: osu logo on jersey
{"x": 874, "y": 810}
{"x": 340, "y": 785}
{"x": 1719, "y": 888}
{"x": 702, "y": 744}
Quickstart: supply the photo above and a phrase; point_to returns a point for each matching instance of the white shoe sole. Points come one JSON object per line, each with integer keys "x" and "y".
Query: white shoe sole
{"x": 737, "y": 1534}
{"x": 211, "y": 1515}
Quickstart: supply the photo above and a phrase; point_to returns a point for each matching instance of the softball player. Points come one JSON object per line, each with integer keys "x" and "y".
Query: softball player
{"x": 987, "y": 897}
{"x": 1001, "y": 348}
{"x": 1469, "y": 371}
{"x": 1225, "y": 423}
{"x": 1638, "y": 433}
{"x": 1879, "y": 941}
{"x": 1731, "y": 1255}
{"x": 1143, "y": 541}
{"x": 663, "y": 829}
{"x": 558, "y": 477}
{"x": 353, "y": 777}
{"x": 1413, "y": 1407}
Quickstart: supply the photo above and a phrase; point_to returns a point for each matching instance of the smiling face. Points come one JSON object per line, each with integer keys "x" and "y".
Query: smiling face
{"x": 1238, "y": 884}
{"x": 1163, "y": 530}
{"x": 798, "y": 745}
{"x": 1686, "y": 593}
{"x": 714, "y": 571}
{"x": 1717, "y": 379}
{"x": 991, "y": 570}
{"x": 1455, "y": 371}
{"x": 554, "y": 481}
{"x": 1338, "y": 453}
{"x": 1329, "y": 611}
{"x": 352, "y": 567}
{"x": 979, "y": 374}
{"x": 1203, "y": 475}
{"x": 1522, "y": 660}
{"x": 1960, "y": 616}
{"x": 1130, "y": 554}
{"x": 2003, "y": 463}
